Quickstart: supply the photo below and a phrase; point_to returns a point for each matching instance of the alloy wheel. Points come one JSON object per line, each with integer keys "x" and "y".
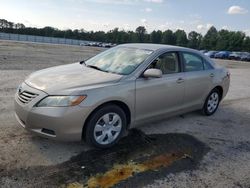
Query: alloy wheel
{"x": 212, "y": 102}
{"x": 107, "y": 128}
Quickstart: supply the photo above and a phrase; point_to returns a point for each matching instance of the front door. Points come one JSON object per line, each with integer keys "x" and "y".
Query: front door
{"x": 158, "y": 96}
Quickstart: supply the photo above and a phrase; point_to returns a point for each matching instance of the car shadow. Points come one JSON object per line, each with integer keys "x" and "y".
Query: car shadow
{"x": 137, "y": 160}
{"x": 144, "y": 155}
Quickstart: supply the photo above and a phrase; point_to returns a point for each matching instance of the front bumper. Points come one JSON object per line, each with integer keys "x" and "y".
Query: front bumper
{"x": 59, "y": 123}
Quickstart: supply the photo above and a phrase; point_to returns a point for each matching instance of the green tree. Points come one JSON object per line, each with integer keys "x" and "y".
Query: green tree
{"x": 236, "y": 41}
{"x": 19, "y": 26}
{"x": 133, "y": 36}
{"x": 99, "y": 36}
{"x": 155, "y": 37}
{"x": 3, "y": 23}
{"x": 68, "y": 33}
{"x": 246, "y": 44}
{"x": 194, "y": 40}
{"x": 209, "y": 41}
{"x": 168, "y": 37}
{"x": 213, "y": 39}
{"x": 223, "y": 40}
{"x": 141, "y": 31}
{"x": 181, "y": 38}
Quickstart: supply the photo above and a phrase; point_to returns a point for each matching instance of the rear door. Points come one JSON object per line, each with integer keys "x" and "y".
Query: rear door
{"x": 198, "y": 79}
{"x": 156, "y": 96}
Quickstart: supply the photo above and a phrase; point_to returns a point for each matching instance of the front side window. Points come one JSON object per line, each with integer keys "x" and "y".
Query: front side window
{"x": 168, "y": 63}
{"x": 119, "y": 60}
{"x": 192, "y": 62}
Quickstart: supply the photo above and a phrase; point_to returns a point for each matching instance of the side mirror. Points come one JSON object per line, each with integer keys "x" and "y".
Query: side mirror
{"x": 152, "y": 73}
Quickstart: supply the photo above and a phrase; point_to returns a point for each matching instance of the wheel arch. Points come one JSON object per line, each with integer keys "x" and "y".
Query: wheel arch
{"x": 220, "y": 89}
{"x": 120, "y": 104}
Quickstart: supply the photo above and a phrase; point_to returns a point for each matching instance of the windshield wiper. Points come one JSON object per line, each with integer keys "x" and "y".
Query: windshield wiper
{"x": 95, "y": 67}
{"x": 91, "y": 66}
{"x": 82, "y": 62}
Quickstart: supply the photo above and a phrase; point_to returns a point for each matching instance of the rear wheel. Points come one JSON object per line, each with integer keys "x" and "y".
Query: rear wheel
{"x": 106, "y": 126}
{"x": 212, "y": 102}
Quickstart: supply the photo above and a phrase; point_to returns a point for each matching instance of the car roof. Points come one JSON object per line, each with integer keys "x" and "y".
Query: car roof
{"x": 155, "y": 47}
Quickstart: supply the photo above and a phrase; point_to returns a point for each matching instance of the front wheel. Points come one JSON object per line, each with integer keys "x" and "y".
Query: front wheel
{"x": 212, "y": 102}
{"x": 106, "y": 126}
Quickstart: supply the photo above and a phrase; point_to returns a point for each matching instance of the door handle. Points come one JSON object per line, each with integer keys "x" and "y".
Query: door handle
{"x": 180, "y": 80}
{"x": 212, "y": 75}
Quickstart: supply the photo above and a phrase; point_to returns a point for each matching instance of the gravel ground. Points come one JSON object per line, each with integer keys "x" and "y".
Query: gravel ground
{"x": 226, "y": 133}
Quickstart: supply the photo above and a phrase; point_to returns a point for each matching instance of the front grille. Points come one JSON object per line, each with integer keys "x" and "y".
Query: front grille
{"x": 26, "y": 96}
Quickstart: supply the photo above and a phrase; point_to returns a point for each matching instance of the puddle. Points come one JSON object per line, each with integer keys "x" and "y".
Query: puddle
{"x": 123, "y": 172}
{"x": 136, "y": 160}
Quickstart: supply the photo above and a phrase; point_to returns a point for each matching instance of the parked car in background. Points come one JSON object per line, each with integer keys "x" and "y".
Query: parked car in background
{"x": 97, "y": 44}
{"x": 245, "y": 56}
{"x": 222, "y": 55}
{"x": 89, "y": 44}
{"x": 93, "y": 44}
{"x": 98, "y": 99}
{"x": 203, "y": 51}
{"x": 108, "y": 45}
{"x": 83, "y": 43}
{"x": 235, "y": 56}
{"x": 211, "y": 53}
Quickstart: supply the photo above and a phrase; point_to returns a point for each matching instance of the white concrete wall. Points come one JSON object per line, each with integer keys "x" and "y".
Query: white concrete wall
{"x": 40, "y": 39}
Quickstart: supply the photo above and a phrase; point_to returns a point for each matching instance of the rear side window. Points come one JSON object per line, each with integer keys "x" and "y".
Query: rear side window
{"x": 207, "y": 65}
{"x": 192, "y": 62}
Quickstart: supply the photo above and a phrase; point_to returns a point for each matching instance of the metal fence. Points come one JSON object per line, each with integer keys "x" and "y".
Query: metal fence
{"x": 40, "y": 39}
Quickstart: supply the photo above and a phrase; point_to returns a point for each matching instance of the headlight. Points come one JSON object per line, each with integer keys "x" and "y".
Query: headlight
{"x": 60, "y": 101}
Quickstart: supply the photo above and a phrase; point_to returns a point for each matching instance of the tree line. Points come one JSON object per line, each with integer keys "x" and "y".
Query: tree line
{"x": 212, "y": 40}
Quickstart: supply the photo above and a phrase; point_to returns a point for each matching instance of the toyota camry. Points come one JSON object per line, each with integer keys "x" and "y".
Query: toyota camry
{"x": 97, "y": 100}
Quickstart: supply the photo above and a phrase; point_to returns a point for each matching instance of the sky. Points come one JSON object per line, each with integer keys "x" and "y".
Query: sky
{"x": 197, "y": 15}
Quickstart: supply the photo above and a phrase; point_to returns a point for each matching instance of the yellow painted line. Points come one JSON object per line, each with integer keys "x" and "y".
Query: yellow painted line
{"x": 121, "y": 172}
{"x": 75, "y": 185}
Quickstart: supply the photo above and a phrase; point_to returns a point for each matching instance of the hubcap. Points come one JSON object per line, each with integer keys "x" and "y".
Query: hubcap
{"x": 107, "y": 128}
{"x": 213, "y": 102}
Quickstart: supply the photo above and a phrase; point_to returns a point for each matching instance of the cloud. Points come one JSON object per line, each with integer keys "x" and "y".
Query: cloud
{"x": 118, "y": 2}
{"x": 147, "y": 10}
{"x": 200, "y": 27}
{"x": 106, "y": 24}
{"x": 126, "y": 27}
{"x": 225, "y": 27}
{"x": 175, "y": 25}
{"x": 144, "y": 21}
{"x": 154, "y": 1}
{"x": 209, "y": 25}
{"x": 237, "y": 10}
{"x": 204, "y": 26}
{"x": 247, "y": 32}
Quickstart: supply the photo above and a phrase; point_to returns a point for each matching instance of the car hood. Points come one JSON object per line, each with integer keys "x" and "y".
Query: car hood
{"x": 67, "y": 77}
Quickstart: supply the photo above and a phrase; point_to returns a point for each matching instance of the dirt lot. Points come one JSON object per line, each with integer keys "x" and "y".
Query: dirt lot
{"x": 185, "y": 151}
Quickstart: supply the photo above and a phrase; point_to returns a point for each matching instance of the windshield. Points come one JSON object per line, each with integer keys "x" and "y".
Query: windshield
{"x": 119, "y": 60}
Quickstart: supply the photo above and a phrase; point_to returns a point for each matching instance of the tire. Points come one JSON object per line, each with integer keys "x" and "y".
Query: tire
{"x": 211, "y": 103}
{"x": 102, "y": 130}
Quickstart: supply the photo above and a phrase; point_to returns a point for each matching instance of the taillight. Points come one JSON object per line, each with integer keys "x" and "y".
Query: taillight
{"x": 228, "y": 74}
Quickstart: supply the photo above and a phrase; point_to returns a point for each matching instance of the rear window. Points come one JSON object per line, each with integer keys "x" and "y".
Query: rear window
{"x": 192, "y": 62}
{"x": 207, "y": 65}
